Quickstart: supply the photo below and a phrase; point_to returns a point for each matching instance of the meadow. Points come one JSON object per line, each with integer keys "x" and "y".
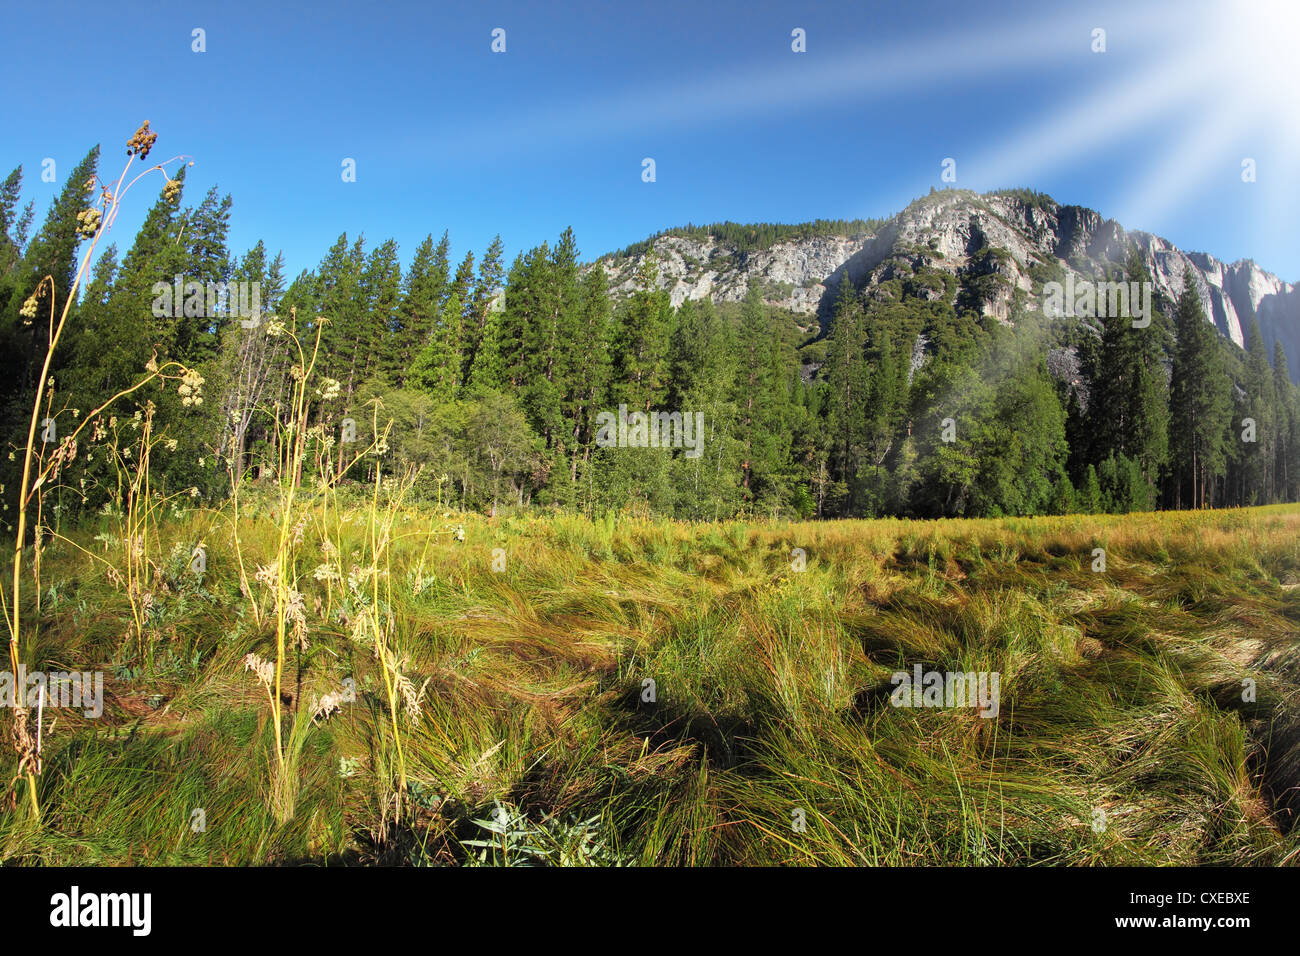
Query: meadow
{"x": 358, "y": 676}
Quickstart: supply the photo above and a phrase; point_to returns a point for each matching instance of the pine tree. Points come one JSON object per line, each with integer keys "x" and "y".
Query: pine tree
{"x": 480, "y": 301}
{"x": 952, "y": 406}
{"x": 1021, "y": 445}
{"x": 110, "y": 348}
{"x": 437, "y": 367}
{"x": 778, "y": 419}
{"x": 10, "y": 252}
{"x": 252, "y": 363}
{"x": 761, "y": 396}
{"x": 1200, "y": 402}
{"x": 421, "y": 306}
{"x": 643, "y": 328}
{"x": 1129, "y": 408}
{"x": 1286, "y": 469}
{"x": 460, "y": 283}
{"x": 550, "y": 332}
{"x": 52, "y": 252}
{"x": 886, "y": 398}
{"x": 1259, "y": 456}
{"x": 847, "y": 380}
{"x": 710, "y": 486}
{"x": 207, "y": 262}
{"x": 95, "y": 294}
{"x": 588, "y": 371}
{"x": 336, "y": 295}
{"x": 501, "y": 359}
{"x": 380, "y": 292}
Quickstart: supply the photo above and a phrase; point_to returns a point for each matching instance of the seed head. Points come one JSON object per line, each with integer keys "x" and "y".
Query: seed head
{"x": 88, "y": 222}
{"x": 141, "y": 142}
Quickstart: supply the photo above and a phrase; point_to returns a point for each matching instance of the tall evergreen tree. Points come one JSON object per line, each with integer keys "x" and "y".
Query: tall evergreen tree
{"x": 380, "y": 291}
{"x": 52, "y": 252}
{"x": 337, "y": 295}
{"x": 1129, "y": 409}
{"x": 643, "y": 328}
{"x": 109, "y": 350}
{"x": 421, "y": 306}
{"x": 847, "y": 380}
{"x": 501, "y": 360}
{"x": 1287, "y": 458}
{"x": 437, "y": 367}
{"x": 761, "y": 397}
{"x": 480, "y": 301}
{"x": 588, "y": 369}
{"x": 550, "y": 334}
{"x": 207, "y": 262}
{"x": 10, "y": 252}
{"x": 1259, "y": 456}
{"x": 1200, "y": 402}
{"x": 707, "y": 360}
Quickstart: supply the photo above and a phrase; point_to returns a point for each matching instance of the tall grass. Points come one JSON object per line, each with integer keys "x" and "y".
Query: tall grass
{"x": 439, "y": 687}
{"x": 94, "y": 223}
{"x": 501, "y": 713}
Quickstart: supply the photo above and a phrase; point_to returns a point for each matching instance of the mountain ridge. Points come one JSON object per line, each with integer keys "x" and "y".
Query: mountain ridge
{"x": 1001, "y": 246}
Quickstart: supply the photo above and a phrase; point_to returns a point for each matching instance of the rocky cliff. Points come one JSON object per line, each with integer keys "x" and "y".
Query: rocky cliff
{"x": 1012, "y": 240}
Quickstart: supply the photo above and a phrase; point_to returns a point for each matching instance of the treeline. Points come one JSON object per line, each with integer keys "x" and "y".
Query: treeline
{"x": 489, "y": 381}
{"x": 755, "y": 237}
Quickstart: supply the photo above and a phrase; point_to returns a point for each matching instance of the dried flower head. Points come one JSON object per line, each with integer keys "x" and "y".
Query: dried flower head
{"x": 88, "y": 222}
{"x": 190, "y": 388}
{"x": 142, "y": 141}
{"x": 324, "y": 706}
{"x": 296, "y": 612}
{"x": 410, "y": 696}
{"x": 327, "y": 572}
{"x": 265, "y": 670}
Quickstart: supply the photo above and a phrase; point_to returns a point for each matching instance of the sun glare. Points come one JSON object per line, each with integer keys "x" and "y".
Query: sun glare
{"x": 1257, "y": 43}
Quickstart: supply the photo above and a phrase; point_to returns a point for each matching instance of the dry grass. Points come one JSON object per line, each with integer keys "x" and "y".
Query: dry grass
{"x": 524, "y": 734}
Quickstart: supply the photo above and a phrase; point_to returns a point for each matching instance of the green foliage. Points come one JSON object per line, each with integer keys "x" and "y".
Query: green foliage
{"x": 1130, "y": 399}
{"x": 1201, "y": 402}
{"x": 534, "y": 745}
{"x": 492, "y": 381}
{"x": 747, "y": 238}
{"x": 1030, "y": 197}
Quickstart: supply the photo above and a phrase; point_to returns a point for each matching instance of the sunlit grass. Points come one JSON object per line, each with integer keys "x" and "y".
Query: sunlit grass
{"x": 1122, "y": 735}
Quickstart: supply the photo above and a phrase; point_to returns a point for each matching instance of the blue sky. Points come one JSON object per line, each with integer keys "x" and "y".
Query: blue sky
{"x": 448, "y": 135}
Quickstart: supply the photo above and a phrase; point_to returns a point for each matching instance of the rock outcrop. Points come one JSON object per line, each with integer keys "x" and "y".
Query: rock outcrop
{"x": 1010, "y": 240}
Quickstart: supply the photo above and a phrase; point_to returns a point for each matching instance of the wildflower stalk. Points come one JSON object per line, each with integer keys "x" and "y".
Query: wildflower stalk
{"x": 387, "y": 660}
{"x": 295, "y": 451}
{"x": 94, "y": 227}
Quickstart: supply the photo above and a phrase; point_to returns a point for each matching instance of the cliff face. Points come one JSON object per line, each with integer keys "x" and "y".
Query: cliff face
{"x": 791, "y": 273}
{"x": 1000, "y": 237}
